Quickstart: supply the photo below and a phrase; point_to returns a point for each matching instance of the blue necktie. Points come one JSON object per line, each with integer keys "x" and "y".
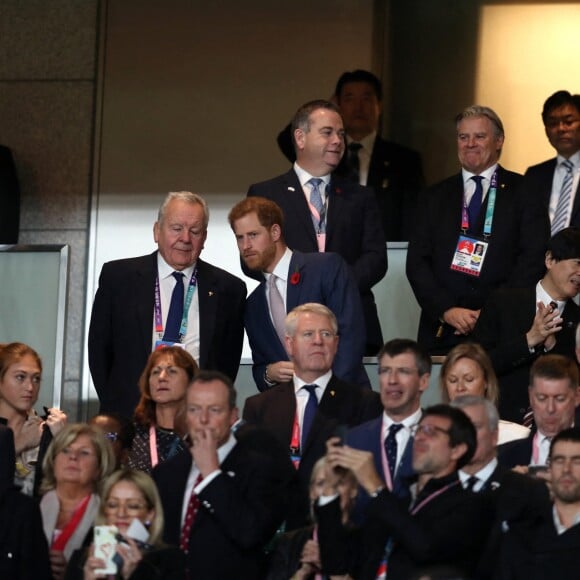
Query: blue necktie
{"x": 316, "y": 201}
{"x": 175, "y": 314}
{"x": 561, "y": 214}
{"x": 391, "y": 448}
{"x": 309, "y": 413}
{"x": 475, "y": 203}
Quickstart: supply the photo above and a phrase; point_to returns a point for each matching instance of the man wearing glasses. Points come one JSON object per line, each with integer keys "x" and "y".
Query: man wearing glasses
{"x": 291, "y": 278}
{"x": 306, "y": 410}
{"x": 443, "y": 525}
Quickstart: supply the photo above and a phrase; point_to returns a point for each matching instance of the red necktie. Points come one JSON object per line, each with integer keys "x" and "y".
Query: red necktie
{"x": 190, "y": 514}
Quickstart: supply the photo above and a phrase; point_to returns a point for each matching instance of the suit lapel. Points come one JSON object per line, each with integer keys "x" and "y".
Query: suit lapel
{"x": 293, "y": 290}
{"x": 300, "y": 208}
{"x": 144, "y": 284}
{"x": 208, "y": 303}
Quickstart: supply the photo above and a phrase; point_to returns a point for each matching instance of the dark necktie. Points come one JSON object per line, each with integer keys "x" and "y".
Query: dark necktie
{"x": 353, "y": 161}
{"x": 309, "y": 412}
{"x": 175, "y": 314}
{"x": 391, "y": 448}
{"x": 191, "y": 512}
{"x": 471, "y": 483}
{"x": 475, "y": 203}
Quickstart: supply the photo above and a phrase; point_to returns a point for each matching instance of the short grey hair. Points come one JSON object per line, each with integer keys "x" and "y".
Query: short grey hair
{"x": 187, "y": 197}
{"x": 474, "y": 401}
{"x": 480, "y": 111}
{"x": 308, "y": 308}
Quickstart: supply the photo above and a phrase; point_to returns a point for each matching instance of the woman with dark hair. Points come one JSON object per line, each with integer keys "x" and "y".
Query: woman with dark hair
{"x": 20, "y": 377}
{"x": 76, "y": 462}
{"x": 163, "y": 385}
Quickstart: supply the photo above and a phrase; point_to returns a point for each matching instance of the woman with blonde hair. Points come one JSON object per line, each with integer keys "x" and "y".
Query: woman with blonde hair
{"x": 76, "y": 463}
{"x": 467, "y": 370}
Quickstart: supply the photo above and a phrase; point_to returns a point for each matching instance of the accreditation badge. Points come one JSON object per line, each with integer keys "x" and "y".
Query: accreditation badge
{"x": 469, "y": 255}
{"x": 163, "y": 343}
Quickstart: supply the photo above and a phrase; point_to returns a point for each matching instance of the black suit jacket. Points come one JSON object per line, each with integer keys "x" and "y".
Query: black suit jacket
{"x": 537, "y": 185}
{"x": 353, "y": 230}
{"x": 501, "y": 329}
{"x": 515, "y": 256}
{"x": 9, "y": 199}
{"x": 450, "y": 530}
{"x": 238, "y": 514}
{"x": 396, "y": 176}
{"x": 120, "y": 334}
{"x": 518, "y": 452}
{"x": 342, "y": 404}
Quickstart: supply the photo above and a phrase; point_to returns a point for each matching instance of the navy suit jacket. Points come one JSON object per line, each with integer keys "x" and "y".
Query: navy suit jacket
{"x": 324, "y": 278}
{"x": 9, "y": 199}
{"x": 515, "y": 256}
{"x": 120, "y": 334}
{"x": 353, "y": 230}
{"x": 501, "y": 329}
{"x": 239, "y": 510}
{"x": 537, "y": 185}
{"x": 368, "y": 438}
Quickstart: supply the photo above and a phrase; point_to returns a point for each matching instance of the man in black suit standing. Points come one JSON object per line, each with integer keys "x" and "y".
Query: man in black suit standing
{"x": 9, "y": 199}
{"x": 517, "y": 325}
{"x": 473, "y": 233}
{"x": 168, "y": 297}
{"x": 326, "y": 214}
{"x": 554, "y": 183}
{"x": 223, "y": 498}
{"x": 554, "y": 396}
{"x": 303, "y": 413}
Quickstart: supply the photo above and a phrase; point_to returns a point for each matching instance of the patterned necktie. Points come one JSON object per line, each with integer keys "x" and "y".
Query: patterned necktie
{"x": 175, "y": 314}
{"x": 561, "y": 214}
{"x": 316, "y": 201}
{"x": 192, "y": 507}
{"x": 391, "y": 448}
{"x": 353, "y": 161}
{"x": 475, "y": 203}
{"x": 309, "y": 413}
{"x": 277, "y": 308}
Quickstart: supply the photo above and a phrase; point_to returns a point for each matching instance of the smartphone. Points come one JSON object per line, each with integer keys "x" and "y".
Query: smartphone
{"x": 340, "y": 432}
{"x": 105, "y": 542}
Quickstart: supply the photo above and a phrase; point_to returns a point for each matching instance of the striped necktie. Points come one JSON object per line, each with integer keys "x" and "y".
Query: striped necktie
{"x": 562, "y": 209}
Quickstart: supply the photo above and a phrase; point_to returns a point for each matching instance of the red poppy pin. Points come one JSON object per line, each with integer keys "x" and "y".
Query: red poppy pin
{"x": 295, "y": 278}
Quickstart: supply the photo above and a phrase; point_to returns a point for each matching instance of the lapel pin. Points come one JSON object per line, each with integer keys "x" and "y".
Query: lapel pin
{"x": 291, "y": 189}
{"x": 210, "y": 293}
{"x": 332, "y": 393}
{"x": 385, "y": 183}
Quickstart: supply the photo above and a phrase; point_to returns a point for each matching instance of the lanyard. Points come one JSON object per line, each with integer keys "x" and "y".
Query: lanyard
{"x": 491, "y": 194}
{"x": 188, "y": 298}
{"x": 432, "y": 496}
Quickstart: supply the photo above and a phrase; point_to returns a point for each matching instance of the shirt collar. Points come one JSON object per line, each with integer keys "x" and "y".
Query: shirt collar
{"x": 482, "y": 475}
{"x": 575, "y": 159}
{"x": 165, "y": 270}
{"x": 225, "y": 449}
{"x": 304, "y": 176}
{"x": 407, "y": 422}
{"x": 545, "y": 298}
{"x": 560, "y": 528}
{"x": 321, "y": 382}
{"x": 367, "y": 142}
{"x": 282, "y": 267}
{"x": 486, "y": 174}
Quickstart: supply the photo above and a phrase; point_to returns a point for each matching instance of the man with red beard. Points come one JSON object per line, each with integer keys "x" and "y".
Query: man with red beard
{"x": 516, "y": 326}
{"x": 292, "y": 278}
{"x": 549, "y": 548}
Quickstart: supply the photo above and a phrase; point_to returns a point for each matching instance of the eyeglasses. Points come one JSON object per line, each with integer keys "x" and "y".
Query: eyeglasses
{"x": 111, "y": 436}
{"x": 310, "y": 335}
{"x": 429, "y": 431}
{"x": 130, "y": 506}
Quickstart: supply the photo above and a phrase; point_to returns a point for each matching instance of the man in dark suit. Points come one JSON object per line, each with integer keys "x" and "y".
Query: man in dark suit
{"x": 548, "y": 547}
{"x": 517, "y": 325}
{"x": 225, "y": 497}
{"x": 558, "y": 178}
{"x": 301, "y": 416}
{"x": 289, "y": 279}
{"x": 474, "y": 233}
{"x": 9, "y": 199}
{"x": 554, "y": 395}
{"x": 133, "y": 305}
{"x": 326, "y": 214}
{"x": 394, "y": 172}
{"x": 404, "y": 370}
{"x": 444, "y": 525}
